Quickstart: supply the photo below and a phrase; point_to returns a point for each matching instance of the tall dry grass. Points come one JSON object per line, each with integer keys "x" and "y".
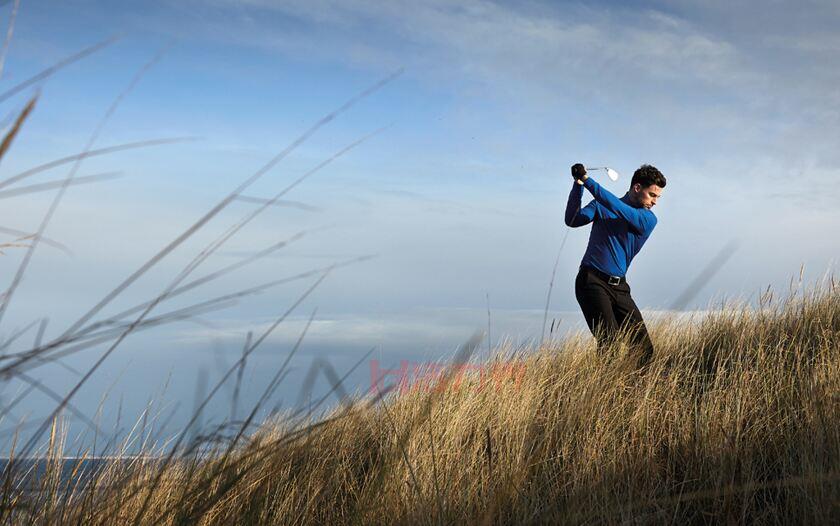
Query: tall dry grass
{"x": 736, "y": 421}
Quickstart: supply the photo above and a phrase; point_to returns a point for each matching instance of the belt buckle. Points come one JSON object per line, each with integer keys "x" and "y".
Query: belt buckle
{"x": 616, "y": 278}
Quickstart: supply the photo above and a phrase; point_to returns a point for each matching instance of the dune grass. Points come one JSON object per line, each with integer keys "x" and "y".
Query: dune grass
{"x": 737, "y": 420}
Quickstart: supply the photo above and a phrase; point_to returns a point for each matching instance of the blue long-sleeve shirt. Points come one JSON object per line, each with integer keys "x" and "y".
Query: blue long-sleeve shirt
{"x": 618, "y": 229}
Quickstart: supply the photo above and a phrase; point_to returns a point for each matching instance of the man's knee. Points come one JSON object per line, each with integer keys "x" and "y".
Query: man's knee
{"x": 603, "y": 329}
{"x": 642, "y": 346}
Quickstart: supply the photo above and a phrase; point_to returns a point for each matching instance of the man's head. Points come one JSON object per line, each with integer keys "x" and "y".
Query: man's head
{"x": 646, "y": 186}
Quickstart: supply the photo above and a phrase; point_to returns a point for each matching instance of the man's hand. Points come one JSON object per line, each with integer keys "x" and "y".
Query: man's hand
{"x": 578, "y": 171}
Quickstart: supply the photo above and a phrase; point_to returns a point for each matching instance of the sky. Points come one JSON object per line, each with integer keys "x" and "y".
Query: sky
{"x": 454, "y": 183}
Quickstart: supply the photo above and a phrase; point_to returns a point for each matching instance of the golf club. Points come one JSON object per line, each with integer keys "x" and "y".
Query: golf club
{"x": 612, "y": 174}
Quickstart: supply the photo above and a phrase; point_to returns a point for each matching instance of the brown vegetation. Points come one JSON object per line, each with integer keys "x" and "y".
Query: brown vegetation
{"x": 736, "y": 421}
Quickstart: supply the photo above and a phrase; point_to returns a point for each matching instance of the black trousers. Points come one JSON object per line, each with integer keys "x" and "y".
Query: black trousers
{"x": 609, "y": 309}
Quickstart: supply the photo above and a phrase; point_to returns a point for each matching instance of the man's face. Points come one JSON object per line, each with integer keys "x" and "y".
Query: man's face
{"x": 646, "y": 197}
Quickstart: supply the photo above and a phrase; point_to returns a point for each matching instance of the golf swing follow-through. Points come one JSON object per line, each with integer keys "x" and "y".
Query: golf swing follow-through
{"x": 620, "y": 226}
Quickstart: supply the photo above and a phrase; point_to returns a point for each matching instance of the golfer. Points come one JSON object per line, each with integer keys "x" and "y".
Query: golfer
{"x": 619, "y": 229}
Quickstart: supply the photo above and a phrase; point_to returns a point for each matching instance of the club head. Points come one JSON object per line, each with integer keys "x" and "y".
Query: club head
{"x": 612, "y": 174}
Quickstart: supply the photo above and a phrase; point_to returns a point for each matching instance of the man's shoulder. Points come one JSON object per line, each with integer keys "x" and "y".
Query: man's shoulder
{"x": 650, "y": 218}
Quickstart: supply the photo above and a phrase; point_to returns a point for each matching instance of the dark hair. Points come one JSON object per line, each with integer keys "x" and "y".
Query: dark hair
{"x": 647, "y": 175}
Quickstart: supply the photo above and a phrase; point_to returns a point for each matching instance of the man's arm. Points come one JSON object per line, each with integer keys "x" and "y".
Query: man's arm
{"x": 575, "y": 215}
{"x": 641, "y": 220}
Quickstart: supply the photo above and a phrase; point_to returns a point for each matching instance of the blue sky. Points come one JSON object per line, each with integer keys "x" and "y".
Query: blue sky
{"x": 461, "y": 196}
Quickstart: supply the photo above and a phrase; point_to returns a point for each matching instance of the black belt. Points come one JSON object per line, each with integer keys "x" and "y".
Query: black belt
{"x": 611, "y": 280}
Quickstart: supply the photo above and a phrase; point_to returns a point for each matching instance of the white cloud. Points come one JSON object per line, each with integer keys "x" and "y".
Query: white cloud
{"x": 563, "y": 45}
{"x": 702, "y": 82}
{"x": 431, "y": 330}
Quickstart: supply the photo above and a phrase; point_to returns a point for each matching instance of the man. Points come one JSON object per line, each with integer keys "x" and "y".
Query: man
{"x": 619, "y": 229}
